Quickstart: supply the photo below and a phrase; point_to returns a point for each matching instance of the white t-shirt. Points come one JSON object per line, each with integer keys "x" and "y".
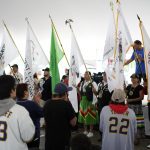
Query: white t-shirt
{"x": 118, "y": 129}
{"x": 16, "y": 128}
{"x": 18, "y": 77}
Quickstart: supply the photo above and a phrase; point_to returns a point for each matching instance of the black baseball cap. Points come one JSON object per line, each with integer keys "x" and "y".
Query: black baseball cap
{"x": 46, "y": 69}
{"x": 15, "y": 65}
{"x": 135, "y": 76}
{"x": 62, "y": 88}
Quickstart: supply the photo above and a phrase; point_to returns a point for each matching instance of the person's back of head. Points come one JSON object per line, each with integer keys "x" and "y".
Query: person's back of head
{"x": 118, "y": 96}
{"x": 80, "y": 142}
{"x": 61, "y": 90}
{"x": 22, "y": 90}
{"x": 7, "y": 86}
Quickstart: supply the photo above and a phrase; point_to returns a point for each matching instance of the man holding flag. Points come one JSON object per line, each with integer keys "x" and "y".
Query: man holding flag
{"x": 16, "y": 74}
{"x": 138, "y": 56}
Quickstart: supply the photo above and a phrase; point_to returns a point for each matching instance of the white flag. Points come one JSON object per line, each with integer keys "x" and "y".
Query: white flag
{"x": 122, "y": 42}
{"x": 28, "y": 72}
{"x": 76, "y": 61}
{"x": 8, "y": 51}
{"x": 2, "y": 57}
{"x": 110, "y": 39}
{"x": 39, "y": 59}
{"x": 146, "y": 43}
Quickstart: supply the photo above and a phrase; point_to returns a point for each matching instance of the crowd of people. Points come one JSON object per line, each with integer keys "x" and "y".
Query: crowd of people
{"x": 118, "y": 113}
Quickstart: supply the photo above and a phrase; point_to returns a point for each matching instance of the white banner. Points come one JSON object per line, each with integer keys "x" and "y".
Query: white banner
{"x": 28, "y": 72}
{"x": 2, "y": 57}
{"x": 120, "y": 44}
{"x": 76, "y": 61}
{"x": 8, "y": 51}
{"x": 39, "y": 59}
{"x": 146, "y": 43}
{"x": 110, "y": 38}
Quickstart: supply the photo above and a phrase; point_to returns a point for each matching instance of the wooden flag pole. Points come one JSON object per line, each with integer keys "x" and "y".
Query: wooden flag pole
{"x": 27, "y": 20}
{"x": 145, "y": 58}
{"x": 13, "y": 41}
{"x": 115, "y": 49}
{"x": 128, "y": 48}
{"x": 117, "y": 1}
{"x": 112, "y": 8}
{"x": 59, "y": 40}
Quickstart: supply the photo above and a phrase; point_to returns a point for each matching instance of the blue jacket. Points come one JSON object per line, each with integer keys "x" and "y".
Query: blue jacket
{"x": 35, "y": 112}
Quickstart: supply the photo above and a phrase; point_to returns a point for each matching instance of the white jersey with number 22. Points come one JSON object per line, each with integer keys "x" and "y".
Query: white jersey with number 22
{"x": 118, "y": 129}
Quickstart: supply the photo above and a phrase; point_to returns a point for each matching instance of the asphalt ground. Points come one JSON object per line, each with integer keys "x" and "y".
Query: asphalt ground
{"x": 95, "y": 140}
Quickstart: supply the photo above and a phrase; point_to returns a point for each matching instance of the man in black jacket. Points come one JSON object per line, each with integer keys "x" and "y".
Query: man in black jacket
{"x": 45, "y": 85}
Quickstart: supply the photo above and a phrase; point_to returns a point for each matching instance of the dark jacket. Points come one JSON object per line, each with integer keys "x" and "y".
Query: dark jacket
{"x": 47, "y": 89}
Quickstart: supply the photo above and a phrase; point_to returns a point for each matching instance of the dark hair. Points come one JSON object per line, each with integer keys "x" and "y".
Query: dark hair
{"x": 88, "y": 72}
{"x": 7, "y": 84}
{"x": 67, "y": 72}
{"x": 15, "y": 66}
{"x": 138, "y": 42}
{"x": 82, "y": 79}
{"x": 58, "y": 95}
{"x": 136, "y": 76}
{"x": 35, "y": 76}
{"x": 80, "y": 142}
{"x": 64, "y": 77}
{"x": 21, "y": 88}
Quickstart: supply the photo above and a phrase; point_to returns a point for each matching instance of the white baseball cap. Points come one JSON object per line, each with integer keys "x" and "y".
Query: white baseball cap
{"x": 118, "y": 96}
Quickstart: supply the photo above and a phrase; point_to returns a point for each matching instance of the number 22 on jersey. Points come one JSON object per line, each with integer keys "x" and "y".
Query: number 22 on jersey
{"x": 116, "y": 126}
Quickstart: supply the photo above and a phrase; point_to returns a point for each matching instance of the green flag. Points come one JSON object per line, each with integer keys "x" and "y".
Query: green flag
{"x": 55, "y": 56}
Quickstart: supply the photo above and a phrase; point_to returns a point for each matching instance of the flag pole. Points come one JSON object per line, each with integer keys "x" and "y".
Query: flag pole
{"x": 13, "y": 40}
{"x": 128, "y": 48}
{"x": 118, "y": 1}
{"x": 116, "y": 33}
{"x": 111, "y": 4}
{"x": 112, "y": 8}
{"x": 145, "y": 58}
{"x": 59, "y": 40}
{"x": 69, "y": 22}
{"x": 27, "y": 20}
